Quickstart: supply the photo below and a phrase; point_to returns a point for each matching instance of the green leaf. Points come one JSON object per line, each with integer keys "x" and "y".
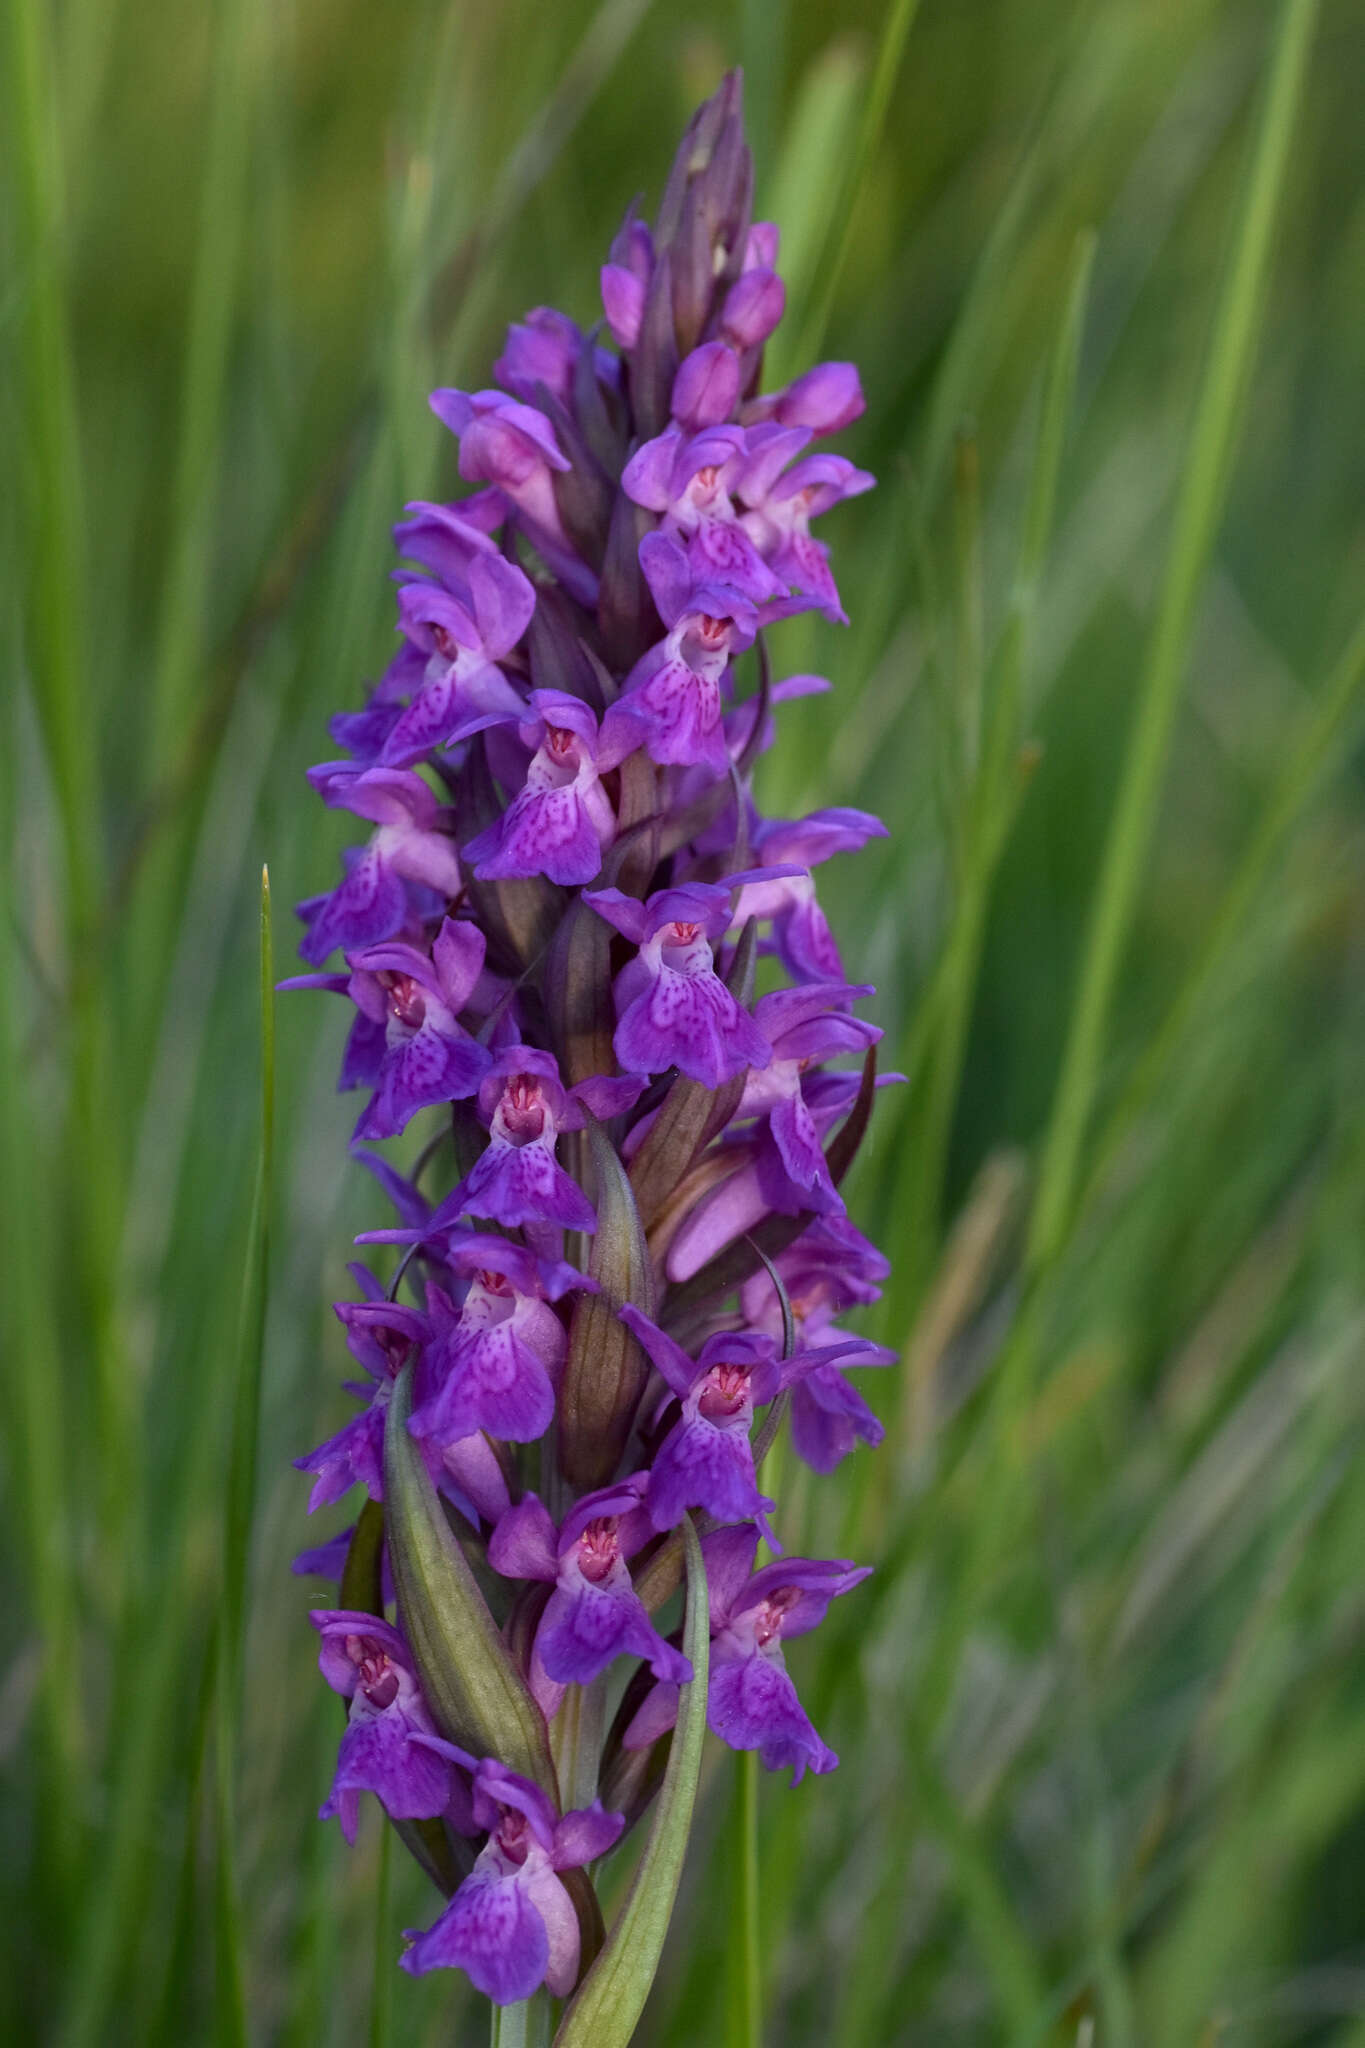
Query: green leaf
{"x": 477, "y": 1696}
{"x": 605, "y": 1371}
{"x": 604, "y": 2011}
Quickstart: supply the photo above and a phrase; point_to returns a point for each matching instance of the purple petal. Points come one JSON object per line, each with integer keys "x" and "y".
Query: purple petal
{"x": 492, "y": 1931}
{"x": 584, "y": 1835}
{"x": 515, "y": 1185}
{"x": 670, "y": 1360}
{"x": 701, "y": 1466}
{"x": 706, "y": 387}
{"x": 729, "y": 1557}
{"x": 504, "y": 599}
{"x": 623, "y": 301}
{"x": 752, "y": 1704}
{"x": 656, "y": 1715}
{"x": 690, "y": 1021}
{"x": 523, "y": 1544}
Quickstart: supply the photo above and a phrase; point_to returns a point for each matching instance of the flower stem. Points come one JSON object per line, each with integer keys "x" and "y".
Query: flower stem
{"x": 522, "y": 2026}
{"x": 749, "y": 2015}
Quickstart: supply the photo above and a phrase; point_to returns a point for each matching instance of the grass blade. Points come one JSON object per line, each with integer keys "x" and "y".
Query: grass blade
{"x": 1196, "y": 520}
{"x": 238, "y": 1509}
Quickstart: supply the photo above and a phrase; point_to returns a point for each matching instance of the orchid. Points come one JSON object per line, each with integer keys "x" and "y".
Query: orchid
{"x": 551, "y": 946}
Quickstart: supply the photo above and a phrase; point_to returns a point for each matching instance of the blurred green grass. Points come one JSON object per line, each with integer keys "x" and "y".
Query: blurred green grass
{"x": 1101, "y": 1706}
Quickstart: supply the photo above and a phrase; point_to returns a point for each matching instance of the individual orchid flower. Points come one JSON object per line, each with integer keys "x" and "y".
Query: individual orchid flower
{"x": 673, "y": 699}
{"x": 517, "y": 1179}
{"x": 544, "y": 348}
{"x": 464, "y": 638}
{"x": 823, "y": 400}
{"x": 805, "y": 944}
{"x": 561, "y": 820}
{"x": 706, "y": 1460}
{"x": 672, "y": 1007}
{"x": 381, "y": 1336}
{"x": 385, "y": 1336}
{"x": 803, "y": 1025}
{"x": 751, "y": 1701}
{"x": 511, "y": 1925}
{"x": 428, "y": 1057}
{"x": 686, "y": 477}
{"x": 492, "y": 1363}
{"x": 367, "y": 1661}
{"x": 408, "y": 869}
{"x": 513, "y": 447}
{"x": 624, "y": 281}
{"x": 779, "y": 508}
{"x": 825, "y": 1273}
{"x": 594, "y": 1614}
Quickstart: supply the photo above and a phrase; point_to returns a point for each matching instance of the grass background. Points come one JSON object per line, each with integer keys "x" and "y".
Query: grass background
{"x": 1102, "y": 1708}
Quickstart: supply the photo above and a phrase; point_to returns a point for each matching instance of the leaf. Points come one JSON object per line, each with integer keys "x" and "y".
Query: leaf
{"x": 605, "y": 1371}
{"x": 604, "y": 2010}
{"x": 476, "y": 1694}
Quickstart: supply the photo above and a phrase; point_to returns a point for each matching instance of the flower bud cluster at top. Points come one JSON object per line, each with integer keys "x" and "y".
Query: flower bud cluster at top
{"x": 550, "y": 941}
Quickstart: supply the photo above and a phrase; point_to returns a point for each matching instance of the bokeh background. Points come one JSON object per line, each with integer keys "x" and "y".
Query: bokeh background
{"x": 1102, "y": 1707}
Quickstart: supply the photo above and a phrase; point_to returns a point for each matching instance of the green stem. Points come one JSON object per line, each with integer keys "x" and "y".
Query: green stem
{"x": 749, "y": 2014}
{"x": 522, "y": 2026}
{"x": 385, "y": 1960}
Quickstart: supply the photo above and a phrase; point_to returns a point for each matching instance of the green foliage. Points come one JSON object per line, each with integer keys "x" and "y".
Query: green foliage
{"x": 1100, "y": 1704}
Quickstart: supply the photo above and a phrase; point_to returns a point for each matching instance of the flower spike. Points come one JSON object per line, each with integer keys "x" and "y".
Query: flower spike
{"x": 621, "y": 1260}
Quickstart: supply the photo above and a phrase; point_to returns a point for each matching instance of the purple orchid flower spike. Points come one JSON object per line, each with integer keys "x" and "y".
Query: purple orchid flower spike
{"x": 511, "y": 1926}
{"x": 594, "y": 1613}
{"x": 368, "y": 1663}
{"x": 464, "y": 637}
{"x": 673, "y": 1009}
{"x": 492, "y": 1363}
{"x": 706, "y": 1460}
{"x": 673, "y": 700}
{"x": 751, "y": 1701}
{"x": 561, "y": 821}
{"x": 410, "y": 847}
{"x": 555, "y": 770}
